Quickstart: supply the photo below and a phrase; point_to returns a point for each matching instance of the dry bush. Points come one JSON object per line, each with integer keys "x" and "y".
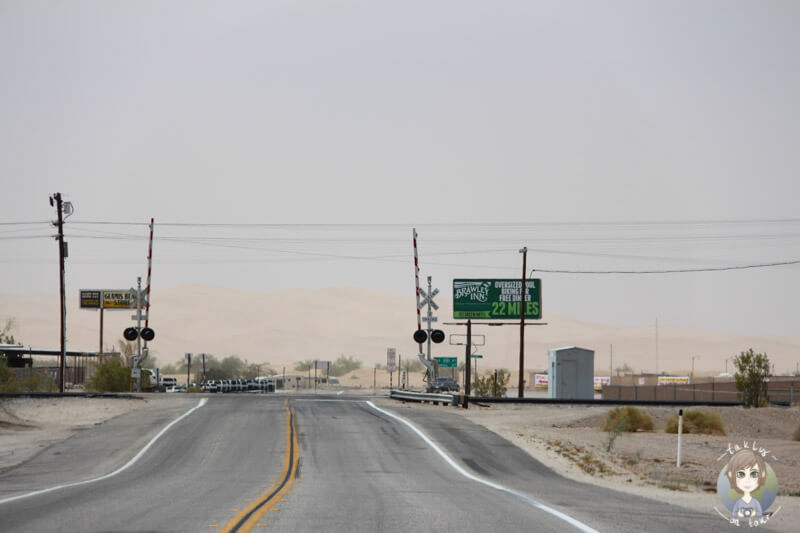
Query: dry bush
{"x": 627, "y": 418}
{"x": 111, "y": 375}
{"x": 705, "y": 422}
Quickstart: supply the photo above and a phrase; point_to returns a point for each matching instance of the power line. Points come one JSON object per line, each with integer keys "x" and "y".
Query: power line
{"x": 670, "y": 271}
{"x": 504, "y": 225}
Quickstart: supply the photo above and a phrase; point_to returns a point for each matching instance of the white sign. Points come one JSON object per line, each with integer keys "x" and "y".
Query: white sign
{"x": 601, "y": 381}
{"x": 540, "y": 380}
{"x": 430, "y": 319}
{"x": 390, "y": 359}
{"x": 322, "y": 365}
{"x": 404, "y": 379}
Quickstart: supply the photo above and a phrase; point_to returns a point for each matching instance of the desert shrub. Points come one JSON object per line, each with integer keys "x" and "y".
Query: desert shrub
{"x": 796, "y": 435}
{"x": 627, "y": 418}
{"x": 485, "y": 386}
{"x": 705, "y": 422}
{"x": 33, "y": 382}
{"x": 111, "y": 376}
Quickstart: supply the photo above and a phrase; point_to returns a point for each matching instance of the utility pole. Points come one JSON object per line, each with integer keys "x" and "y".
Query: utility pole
{"x": 656, "y": 346}
{"x": 521, "y": 392}
{"x": 61, "y": 249}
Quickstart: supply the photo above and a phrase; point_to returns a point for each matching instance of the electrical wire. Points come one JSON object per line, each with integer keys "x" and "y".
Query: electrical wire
{"x": 668, "y": 271}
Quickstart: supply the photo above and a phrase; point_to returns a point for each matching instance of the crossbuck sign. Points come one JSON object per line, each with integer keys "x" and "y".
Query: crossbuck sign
{"x": 428, "y": 298}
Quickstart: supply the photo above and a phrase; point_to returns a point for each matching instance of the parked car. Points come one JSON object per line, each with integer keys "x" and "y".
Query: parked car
{"x": 445, "y": 384}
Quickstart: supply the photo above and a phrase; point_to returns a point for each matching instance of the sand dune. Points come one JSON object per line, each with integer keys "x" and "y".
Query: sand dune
{"x": 284, "y": 326}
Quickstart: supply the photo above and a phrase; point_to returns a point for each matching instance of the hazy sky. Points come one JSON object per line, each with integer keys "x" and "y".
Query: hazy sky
{"x": 603, "y": 135}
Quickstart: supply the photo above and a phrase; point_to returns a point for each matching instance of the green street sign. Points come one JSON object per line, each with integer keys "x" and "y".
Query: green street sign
{"x": 447, "y": 362}
{"x": 496, "y": 298}
{"x": 476, "y": 356}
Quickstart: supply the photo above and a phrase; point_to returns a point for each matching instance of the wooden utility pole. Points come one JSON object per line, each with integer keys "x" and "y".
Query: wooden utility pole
{"x": 60, "y": 238}
{"x": 521, "y": 392}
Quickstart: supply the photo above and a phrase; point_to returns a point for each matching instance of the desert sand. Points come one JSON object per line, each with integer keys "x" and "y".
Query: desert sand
{"x": 281, "y": 327}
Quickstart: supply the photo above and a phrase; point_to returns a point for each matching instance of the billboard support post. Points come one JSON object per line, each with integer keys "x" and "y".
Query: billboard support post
{"x": 101, "y": 329}
{"x": 521, "y": 392}
{"x": 467, "y": 364}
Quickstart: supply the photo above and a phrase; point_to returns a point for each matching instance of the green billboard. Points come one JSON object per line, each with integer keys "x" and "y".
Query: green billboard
{"x": 496, "y": 298}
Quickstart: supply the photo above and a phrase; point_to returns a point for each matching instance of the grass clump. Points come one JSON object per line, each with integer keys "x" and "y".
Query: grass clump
{"x": 627, "y": 419}
{"x": 705, "y": 422}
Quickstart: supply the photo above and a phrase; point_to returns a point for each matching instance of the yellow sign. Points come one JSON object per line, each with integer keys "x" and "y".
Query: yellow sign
{"x": 108, "y": 299}
{"x": 673, "y": 380}
{"x": 119, "y": 300}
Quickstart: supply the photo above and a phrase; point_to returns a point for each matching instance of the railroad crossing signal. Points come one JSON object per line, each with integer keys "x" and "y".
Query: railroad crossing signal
{"x": 426, "y": 298}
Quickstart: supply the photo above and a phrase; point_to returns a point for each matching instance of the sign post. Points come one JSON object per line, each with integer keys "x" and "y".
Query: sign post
{"x": 391, "y": 353}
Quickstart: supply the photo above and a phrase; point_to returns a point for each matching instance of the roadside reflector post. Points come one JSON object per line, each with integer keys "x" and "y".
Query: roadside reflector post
{"x": 680, "y": 434}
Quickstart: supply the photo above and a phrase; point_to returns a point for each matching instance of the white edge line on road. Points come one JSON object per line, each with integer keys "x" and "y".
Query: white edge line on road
{"x": 580, "y": 525}
{"x": 127, "y": 465}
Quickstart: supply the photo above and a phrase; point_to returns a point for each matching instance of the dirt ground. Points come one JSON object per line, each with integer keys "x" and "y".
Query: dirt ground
{"x": 27, "y": 425}
{"x": 570, "y": 440}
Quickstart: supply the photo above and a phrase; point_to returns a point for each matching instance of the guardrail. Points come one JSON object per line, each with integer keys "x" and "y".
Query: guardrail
{"x": 604, "y": 401}
{"x": 434, "y": 398}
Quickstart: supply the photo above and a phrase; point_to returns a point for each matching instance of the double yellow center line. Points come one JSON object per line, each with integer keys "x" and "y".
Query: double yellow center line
{"x": 248, "y": 518}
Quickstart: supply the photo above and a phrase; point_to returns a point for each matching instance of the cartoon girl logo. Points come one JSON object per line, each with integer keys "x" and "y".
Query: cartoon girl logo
{"x": 747, "y": 486}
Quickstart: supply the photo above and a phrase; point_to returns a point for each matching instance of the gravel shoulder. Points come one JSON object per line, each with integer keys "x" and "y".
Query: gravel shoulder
{"x": 30, "y": 425}
{"x": 570, "y": 440}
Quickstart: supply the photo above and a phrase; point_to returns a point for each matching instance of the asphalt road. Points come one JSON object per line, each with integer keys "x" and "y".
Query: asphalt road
{"x": 294, "y": 463}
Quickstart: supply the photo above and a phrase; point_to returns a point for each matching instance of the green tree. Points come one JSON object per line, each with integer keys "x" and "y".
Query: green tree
{"x": 624, "y": 369}
{"x": 752, "y": 370}
{"x": 302, "y": 366}
{"x": 344, "y": 365}
{"x": 5, "y": 334}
